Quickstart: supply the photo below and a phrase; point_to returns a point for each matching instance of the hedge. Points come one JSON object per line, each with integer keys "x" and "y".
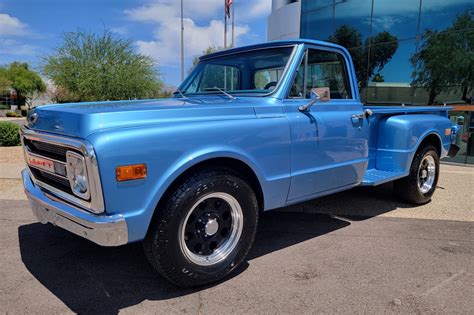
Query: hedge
{"x": 12, "y": 114}
{"x": 9, "y": 134}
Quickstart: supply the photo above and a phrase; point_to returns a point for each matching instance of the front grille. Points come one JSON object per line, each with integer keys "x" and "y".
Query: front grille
{"x": 57, "y": 178}
{"x": 42, "y": 149}
{"x": 49, "y": 150}
{"x": 56, "y": 181}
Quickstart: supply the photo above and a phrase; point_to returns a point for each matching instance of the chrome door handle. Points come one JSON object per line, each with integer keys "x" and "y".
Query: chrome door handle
{"x": 355, "y": 117}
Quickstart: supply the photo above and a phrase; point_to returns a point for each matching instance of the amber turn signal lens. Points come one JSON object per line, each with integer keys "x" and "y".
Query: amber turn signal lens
{"x": 130, "y": 172}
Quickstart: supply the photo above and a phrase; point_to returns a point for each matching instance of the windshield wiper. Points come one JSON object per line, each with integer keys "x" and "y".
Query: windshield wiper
{"x": 224, "y": 92}
{"x": 180, "y": 93}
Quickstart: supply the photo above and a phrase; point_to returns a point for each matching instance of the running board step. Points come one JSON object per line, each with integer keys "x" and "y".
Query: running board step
{"x": 374, "y": 177}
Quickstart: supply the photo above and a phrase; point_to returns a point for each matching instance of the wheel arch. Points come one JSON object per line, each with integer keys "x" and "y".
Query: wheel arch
{"x": 432, "y": 138}
{"x": 240, "y": 165}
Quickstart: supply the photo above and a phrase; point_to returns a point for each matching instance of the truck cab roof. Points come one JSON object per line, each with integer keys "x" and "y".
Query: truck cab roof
{"x": 277, "y": 43}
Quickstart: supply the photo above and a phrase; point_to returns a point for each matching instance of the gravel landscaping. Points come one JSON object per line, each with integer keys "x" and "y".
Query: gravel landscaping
{"x": 11, "y": 155}
{"x": 11, "y": 189}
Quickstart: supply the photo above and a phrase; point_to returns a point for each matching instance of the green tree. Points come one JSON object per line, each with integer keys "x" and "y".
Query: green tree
{"x": 90, "y": 67}
{"x": 381, "y": 48}
{"x": 25, "y": 82}
{"x": 378, "y": 78}
{"x": 5, "y": 82}
{"x": 445, "y": 61}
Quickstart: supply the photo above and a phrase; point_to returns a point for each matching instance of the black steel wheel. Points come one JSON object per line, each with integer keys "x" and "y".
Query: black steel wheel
{"x": 204, "y": 229}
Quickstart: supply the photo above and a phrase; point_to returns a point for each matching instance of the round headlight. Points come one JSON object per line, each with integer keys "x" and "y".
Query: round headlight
{"x": 77, "y": 174}
{"x": 79, "y": 180}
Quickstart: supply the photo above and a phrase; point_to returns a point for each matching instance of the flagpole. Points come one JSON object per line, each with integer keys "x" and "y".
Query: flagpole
{"x": 233, "y": 12}
{"x": 225, "y": 24}
{"x": 182, "y": 43}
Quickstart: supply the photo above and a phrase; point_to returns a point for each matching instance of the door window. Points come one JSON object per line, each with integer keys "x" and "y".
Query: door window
{"x": 321, "y": 69}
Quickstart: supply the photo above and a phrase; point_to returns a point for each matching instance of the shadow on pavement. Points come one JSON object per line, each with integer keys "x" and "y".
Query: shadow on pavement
{"x": 89, "y": 278}
{"x": 356, "y": 204}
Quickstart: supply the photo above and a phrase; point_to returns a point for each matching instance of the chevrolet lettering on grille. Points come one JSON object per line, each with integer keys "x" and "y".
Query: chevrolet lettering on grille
{"x": 41, "y": 163}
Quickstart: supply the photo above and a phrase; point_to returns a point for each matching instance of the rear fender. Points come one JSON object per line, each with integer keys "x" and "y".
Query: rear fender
{"x": 400, "y": 137}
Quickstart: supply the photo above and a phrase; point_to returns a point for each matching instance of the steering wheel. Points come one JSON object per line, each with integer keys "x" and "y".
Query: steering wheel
{"x": 269, "y": 85}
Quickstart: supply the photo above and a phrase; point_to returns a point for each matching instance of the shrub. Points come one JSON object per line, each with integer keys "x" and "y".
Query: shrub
{"x": 12, "y": 114}
{"x": 9, "y": 134}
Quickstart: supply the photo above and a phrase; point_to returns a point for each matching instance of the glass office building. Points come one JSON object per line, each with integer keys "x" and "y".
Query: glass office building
{"x": 412, "y": 52}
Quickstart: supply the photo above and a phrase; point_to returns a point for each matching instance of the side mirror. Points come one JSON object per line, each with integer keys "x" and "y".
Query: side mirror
{"x": 317, "y": 95}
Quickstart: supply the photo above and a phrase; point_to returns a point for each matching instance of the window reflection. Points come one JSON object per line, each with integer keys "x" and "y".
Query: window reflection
{"x": 438, "y": 15}
{"x": 390, "y": 82}
{"x": 319, "y": 23}
{"x": 316, "y": 4}
{"x": 415, "y": 52}
{"x": 355, "y": 13}
{"x": 400, "y": 18}
{"x": 443, "y": 66}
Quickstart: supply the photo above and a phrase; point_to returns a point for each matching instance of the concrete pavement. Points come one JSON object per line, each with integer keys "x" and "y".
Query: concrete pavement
{"x": 300, "y": 263}
{"x": 16, "y": 120}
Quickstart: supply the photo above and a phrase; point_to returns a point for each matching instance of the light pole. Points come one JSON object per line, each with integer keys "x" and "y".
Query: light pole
{"x": 182, "y": 43}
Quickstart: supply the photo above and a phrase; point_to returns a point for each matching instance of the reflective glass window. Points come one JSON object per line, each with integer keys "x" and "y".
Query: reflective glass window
{"x": 391, "y": 70}
{"x": 399, "y": 18}
{"x": 308, "y": 5}
{"x": 440, "y": 15}
{"x": 354, "y": 13}
{"x": 318, "y": 24}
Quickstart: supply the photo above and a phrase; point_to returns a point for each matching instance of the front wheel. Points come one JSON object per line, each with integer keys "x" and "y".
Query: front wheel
{"x": 419, "y": 186}
{"x": 204, "y": 230}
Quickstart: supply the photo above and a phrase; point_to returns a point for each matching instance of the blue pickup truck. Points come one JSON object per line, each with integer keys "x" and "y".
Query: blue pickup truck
{"x": 249, "y": 130}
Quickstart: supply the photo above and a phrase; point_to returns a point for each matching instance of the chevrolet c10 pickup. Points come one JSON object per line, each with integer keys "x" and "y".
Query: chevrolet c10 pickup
{"x": 249, "y": 130}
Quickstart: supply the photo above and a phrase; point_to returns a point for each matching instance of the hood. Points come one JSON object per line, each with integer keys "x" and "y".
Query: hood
{"x": 83, "y": 119}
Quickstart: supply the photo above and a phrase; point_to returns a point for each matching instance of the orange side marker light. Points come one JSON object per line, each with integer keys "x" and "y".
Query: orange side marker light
{"x": 130, "y": 172}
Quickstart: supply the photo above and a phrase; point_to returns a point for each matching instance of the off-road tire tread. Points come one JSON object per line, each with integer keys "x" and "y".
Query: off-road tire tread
{"x": 154, "y": 242}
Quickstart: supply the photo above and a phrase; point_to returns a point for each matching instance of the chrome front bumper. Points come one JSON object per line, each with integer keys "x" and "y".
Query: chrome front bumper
{"x": 101, "y": 229}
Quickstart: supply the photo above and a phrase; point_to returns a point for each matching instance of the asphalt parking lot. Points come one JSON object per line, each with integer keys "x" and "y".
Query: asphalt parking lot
{"x": 360, "y": 251}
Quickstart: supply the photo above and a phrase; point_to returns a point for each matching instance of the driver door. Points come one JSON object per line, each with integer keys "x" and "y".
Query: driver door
{"x": 329, "y": 145}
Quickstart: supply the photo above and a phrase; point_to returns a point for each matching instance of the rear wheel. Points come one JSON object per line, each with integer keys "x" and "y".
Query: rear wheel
{"x": 419, "y": 186}
{"x": 204, "y": 230}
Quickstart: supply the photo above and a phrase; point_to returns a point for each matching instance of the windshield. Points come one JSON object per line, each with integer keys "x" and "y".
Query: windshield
{"x": 252, "y": 72}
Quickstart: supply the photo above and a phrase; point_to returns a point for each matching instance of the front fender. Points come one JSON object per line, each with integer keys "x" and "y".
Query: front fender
{"x": 168, "y": 151}
{"x": 192, "y": 158}
{"x": 400, "y": 136}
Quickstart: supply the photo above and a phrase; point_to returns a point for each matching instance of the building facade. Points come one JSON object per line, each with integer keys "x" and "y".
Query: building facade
{"x": 284, "y": 21}
{"x": 411, "y": 52}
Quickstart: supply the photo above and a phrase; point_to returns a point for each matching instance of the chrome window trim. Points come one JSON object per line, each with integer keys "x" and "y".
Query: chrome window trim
{"x": 96, "y": 203}
{"x": 275, "y": 91}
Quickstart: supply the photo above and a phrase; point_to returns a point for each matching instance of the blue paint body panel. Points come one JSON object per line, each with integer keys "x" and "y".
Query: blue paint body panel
{"x": 296, "y": 156}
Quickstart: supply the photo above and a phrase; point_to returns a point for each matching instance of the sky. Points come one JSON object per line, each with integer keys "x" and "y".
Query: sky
{"x": 31, "y": 29}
